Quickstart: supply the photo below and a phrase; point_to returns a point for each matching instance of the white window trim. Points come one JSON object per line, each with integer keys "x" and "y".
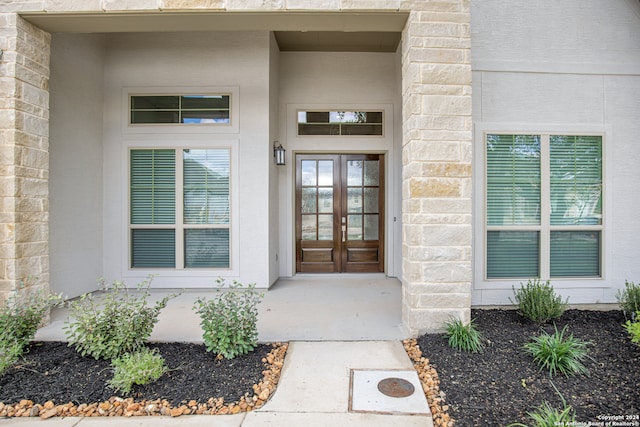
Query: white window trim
{"x": 232, "y": 127}
{"x": 171, "y": 142}
{"x": 480, "y": 131}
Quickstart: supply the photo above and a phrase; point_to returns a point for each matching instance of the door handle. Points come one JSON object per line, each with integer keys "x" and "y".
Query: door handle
{"x": 344, "y": 233}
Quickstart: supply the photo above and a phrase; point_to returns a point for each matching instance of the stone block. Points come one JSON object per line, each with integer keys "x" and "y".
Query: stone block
{"x": 21, "y": 6}
{"x": 444, "y": 300}
{"x": 192, "y": 4}
{"x": 446, "y": 105}
{"x": 124, "y": 5}
{"x": 73, "y": 5}
{"x": 435, "y": 29}
{"x": 422, "y": 321}
{"x": 440, "y": 55}
{"x": 433, "y": 5}
{"x": 445, "y": 74}
{"x": 447, "y": 169}
{"x": 256, "y": 4}
{"x": 447, "y": 235}
{"x": 446, "y": 206}
{"x": 325, "y": 5}
{"x": 434, "y": 187}
{"x": 436, "y": 151}
{"x": 370, "y": 4}
{"x": 450, "y": 271}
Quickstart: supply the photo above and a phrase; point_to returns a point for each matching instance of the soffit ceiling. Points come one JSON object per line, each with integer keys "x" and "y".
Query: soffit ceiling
{"x": 294, "y": 31}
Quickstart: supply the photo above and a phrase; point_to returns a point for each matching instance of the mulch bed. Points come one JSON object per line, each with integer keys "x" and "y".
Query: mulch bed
{"x": 500, "y": 385}
{"x": 54, "y": 372}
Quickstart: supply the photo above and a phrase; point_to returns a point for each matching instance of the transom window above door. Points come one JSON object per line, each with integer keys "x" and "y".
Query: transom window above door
{"x": 340, "y": 123}
{"x": 180, "y": 109}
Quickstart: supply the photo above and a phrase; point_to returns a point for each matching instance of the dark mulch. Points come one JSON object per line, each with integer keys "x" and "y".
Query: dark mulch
{"x": 53, "y": 371}
{"x": 502, "y": 384}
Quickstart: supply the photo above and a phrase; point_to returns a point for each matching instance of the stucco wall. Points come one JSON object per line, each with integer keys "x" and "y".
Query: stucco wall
{"x": 75, "y": 184}
{"x": 571, "y": 66}
{"x": 192, "y": 61}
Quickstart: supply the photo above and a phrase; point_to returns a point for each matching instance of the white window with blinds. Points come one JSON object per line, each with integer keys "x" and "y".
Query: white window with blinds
{"x": 179, "y": 208}
{"x": 544, "y": 206}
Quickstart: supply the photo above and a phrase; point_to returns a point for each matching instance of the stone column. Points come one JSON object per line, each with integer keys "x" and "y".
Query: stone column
{"x": 24, "y": 154}
{"x": 436, "y": 156}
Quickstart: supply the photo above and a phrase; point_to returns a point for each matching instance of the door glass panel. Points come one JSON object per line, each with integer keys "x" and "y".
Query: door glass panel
{"x": 371, "y": 200}
{"x": 309, "y": 227}
{"x": 371, "y": 227}
{"x": 325, "y": 227}
{"x": 371, "y": 172}
{"x": 325, "y": 200}
{"x": 308, "y": 172}
{"x": 354, "y": 200}
{"x": 354, "y": 172}
{"x": 309, "y": 200}
{"x": 325, "y": 172}
{"x": 354, "y": 227}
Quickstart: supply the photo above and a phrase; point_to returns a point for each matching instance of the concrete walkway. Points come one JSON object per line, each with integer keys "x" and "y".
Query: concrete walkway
{"x": 336, "y": 329}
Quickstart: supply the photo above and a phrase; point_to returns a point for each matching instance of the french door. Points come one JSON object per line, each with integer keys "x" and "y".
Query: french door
{"x": 339, "y": 213}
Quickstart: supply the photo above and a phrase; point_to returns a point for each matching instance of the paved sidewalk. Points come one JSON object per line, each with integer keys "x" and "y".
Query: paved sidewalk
{"x": 314, "y": 391}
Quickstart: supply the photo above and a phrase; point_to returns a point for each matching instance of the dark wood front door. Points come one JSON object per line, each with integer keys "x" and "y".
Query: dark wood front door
{"x": 339, "y": 213}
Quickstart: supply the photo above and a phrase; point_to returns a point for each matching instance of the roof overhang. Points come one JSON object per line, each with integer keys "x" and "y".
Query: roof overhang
{"x": 160, "y": 21}
{"x": 368, "y": 31}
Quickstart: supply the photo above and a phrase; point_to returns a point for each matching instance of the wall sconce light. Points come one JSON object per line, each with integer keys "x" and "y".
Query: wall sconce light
{"x": 1, "y": 53}
{"x": 278, "y": 153}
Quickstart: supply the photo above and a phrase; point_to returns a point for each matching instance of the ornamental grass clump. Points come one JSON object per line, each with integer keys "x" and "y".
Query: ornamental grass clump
{"x": 538, "y": 301}
{"x": 118, "y": 324}
{"x": 464, "y": 337}
{"x": 230, "y": 320}
{"x": 20, "y": 317}
{"x": 559, "y": 353}
{"x": 142, "y": 367}
{"x": 548, "y": 416}
{"x": 629, "y": 299}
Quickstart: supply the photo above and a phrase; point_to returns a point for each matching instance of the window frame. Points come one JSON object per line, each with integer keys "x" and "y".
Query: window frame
{"x": 481, "y": 131}
{"x": 233, "y": 127}
{"x": 382, "y": 123}
{"x": 160, "y": 143}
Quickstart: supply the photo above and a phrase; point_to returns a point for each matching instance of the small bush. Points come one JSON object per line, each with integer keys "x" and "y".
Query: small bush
{"x": 547, "y": 416}
{"x": 464, "y": 337}
{"x": 538, "y": 301}
{"x": 629, "y": 299}
{"x": 557, "y": 353}
{"x": 142, "y": 367}
{"x": 20, "y": 317}
{"x": 634, "y": 328}
{"x": 230, "y": 320}
{"x": 120, "y": 324}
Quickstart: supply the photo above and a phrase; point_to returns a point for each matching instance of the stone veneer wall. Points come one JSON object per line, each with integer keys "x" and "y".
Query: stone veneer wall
{"x": 436, "y": 158}
{"x": 437, "y": 134}
{"x": 24, "y": 154}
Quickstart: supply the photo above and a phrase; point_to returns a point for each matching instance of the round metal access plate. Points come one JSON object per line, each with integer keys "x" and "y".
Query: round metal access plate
{"x": 396, "y": 387}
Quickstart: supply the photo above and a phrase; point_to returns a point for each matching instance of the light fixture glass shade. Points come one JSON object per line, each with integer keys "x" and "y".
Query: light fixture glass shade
{"x": 278, "y": 153}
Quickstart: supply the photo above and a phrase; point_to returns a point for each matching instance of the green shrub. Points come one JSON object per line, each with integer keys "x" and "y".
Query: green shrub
{"x": 547, "y": 416}
{"x": 464, "y": 337}
{"x": 634, "y": 328}
{"x": 629, "y": 299}
{"x": 230, "y": 320}
{"x": 557, "y": 353}
{"x": 121, "y": 323}
{"x": 20, "y": 317}
{"x": 142, "y": 367}
{"x": 538, "y": 301}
